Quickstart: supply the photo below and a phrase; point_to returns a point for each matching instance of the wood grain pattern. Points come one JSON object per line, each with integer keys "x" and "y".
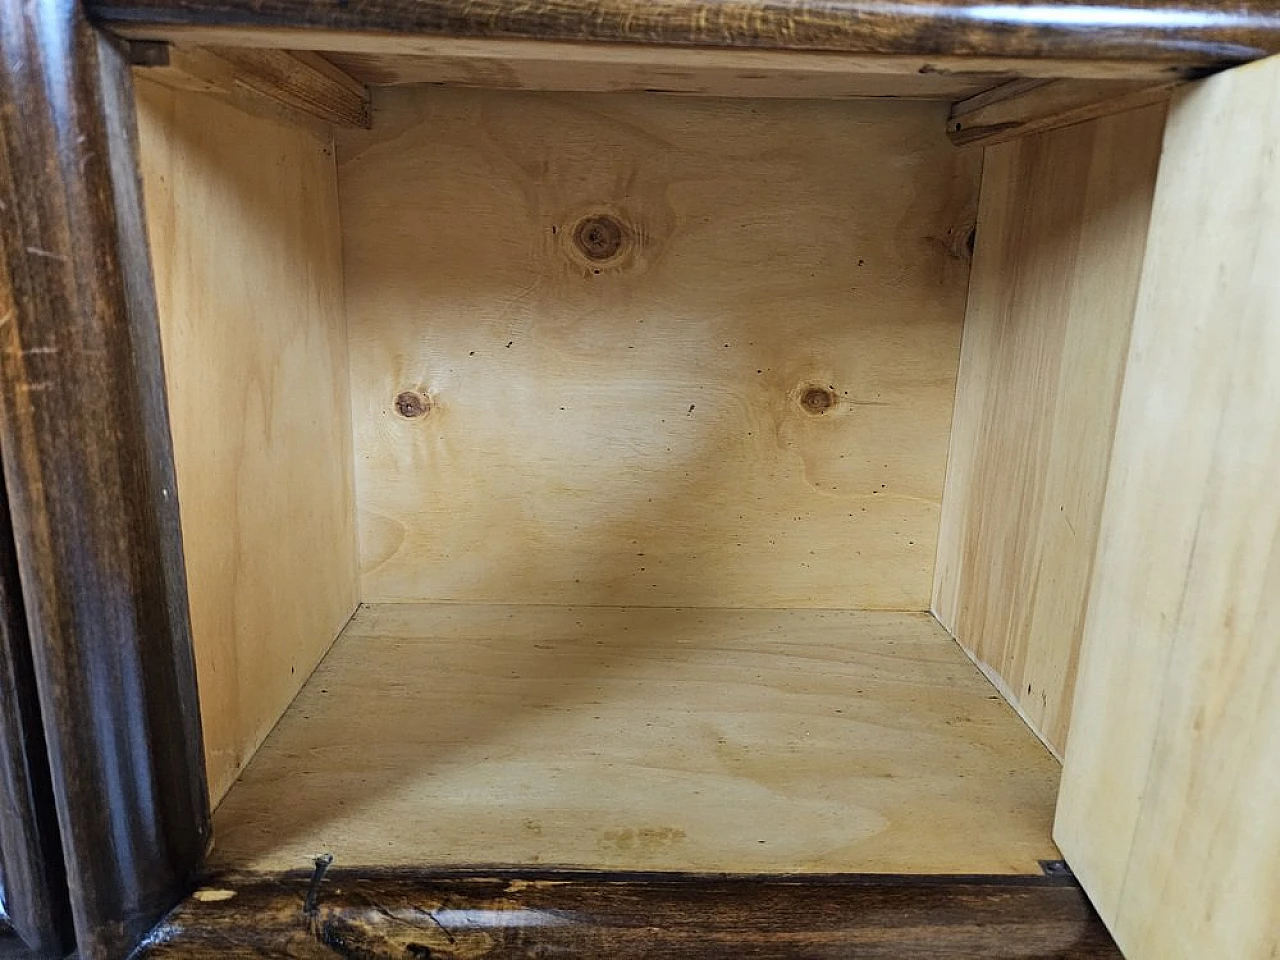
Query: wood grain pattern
{"x": 628, "y": 68}
{"x": 1172, "y": 777}
{"x": 745, "y": 404}
{"x": 1183, "y": 32}
{"x": 910, "y": 70}
{"x": 409, "y": 916}
{"x": 243, "y": 218}
{"x": 1061, "y": 234}
{"x": 989, "y": 118}
{"x": 33, "y": 895}
{"x": 299, "y": 81}
{"x": 89, "y": 474}
{"x": 770, "y": 741}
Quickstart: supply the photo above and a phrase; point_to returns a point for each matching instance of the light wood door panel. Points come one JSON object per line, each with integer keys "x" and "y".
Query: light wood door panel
{"x": 1171, "y": 789}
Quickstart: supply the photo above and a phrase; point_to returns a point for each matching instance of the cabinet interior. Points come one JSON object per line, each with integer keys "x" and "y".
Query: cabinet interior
{"x": 646, "y": 456}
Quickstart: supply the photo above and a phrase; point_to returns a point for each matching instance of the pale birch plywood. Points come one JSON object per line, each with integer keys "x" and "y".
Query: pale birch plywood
{"x": 636, "y": 431}
{"x": 1171, "y": 790}
{"x": 242, "y": 214}
{"x": 645, "y": 739}
{"x": 1061, "y": 232}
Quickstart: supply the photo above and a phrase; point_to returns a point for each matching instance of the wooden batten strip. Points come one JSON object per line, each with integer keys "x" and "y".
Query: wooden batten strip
{"x": 1023, "y": 107}
{"x": 299, "y": 81}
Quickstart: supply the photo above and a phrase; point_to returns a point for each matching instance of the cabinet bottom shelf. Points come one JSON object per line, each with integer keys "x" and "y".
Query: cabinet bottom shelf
{"x": 640, "y": 739}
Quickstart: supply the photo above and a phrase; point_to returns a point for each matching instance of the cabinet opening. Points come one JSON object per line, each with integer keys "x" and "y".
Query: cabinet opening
{"x": 608, "y": 434}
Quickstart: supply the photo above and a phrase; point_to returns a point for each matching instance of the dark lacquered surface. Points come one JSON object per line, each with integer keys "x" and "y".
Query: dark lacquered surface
{"x": 89, "y": 475}
{"x": 1204, "y": 32}
{"x": 358, "y": 914}
{"x": 30, "y": 854}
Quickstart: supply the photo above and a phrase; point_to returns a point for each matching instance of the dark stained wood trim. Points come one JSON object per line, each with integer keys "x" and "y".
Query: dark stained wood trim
{"x": 30, "y": 850}
{"x": 11, "y": 945}
{"x": 89, "y": 472}
{"x": 503, "y": 914}
{"x": 1190, "y": 33}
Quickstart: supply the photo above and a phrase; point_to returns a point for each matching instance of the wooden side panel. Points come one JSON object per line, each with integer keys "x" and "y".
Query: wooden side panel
{"x": 1172, "y": 782}
{"x": 639, "y": 350}
{"x": 243, "y": 219}
{"x": 1061, "y": 233}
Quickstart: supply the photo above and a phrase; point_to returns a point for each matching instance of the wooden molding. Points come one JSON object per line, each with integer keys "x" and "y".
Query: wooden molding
{"x": 299, "y": 81}
{"x": 90, "y": 479}
{"x": 1023, "y": 107}
{"x": 35, "y": 892}
{"x": 564, "y": 913}
{"x": 1186, "y": 33}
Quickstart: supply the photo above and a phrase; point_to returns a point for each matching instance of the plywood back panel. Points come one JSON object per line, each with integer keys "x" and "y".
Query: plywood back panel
{"x": 743, "y": 400}
{"x": 1171, "y": 787}
{"x": 242, "y": 215}
{"x": 1061, "y": 234}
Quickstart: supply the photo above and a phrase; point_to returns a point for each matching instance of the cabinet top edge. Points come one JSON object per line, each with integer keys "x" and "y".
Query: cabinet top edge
{"x": 1188, "y": 35}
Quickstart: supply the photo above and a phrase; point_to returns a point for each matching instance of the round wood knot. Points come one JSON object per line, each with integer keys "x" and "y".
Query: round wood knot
{"x": 599, "y": 237}
{"x": 411, "y": 405}
{"x": 816, "y": 400}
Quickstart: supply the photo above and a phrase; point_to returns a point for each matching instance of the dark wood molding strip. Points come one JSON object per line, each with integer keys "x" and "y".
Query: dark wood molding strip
{"x": 1190, "y": 33}
{"x": 449, "y": 916}
{"x": 35, "y": 886}
{"x": 89, "y": 473}
{"x": 298, "y": 81}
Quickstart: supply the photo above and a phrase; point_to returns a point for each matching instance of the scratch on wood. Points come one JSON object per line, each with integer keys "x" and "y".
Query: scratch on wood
{"x": 436, "y": 920}
{"x": 47, "y": 254}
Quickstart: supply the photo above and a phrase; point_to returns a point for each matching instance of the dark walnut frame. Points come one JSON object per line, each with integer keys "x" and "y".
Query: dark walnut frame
{"x": 104, "y": 817}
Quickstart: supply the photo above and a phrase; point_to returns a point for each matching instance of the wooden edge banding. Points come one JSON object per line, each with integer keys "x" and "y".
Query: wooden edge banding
{"x": 303, "y": 82}
{"x": 1023, "y": 107}
{"x": 501, "y": 912}
{"x": 1201, "y": 33}
{"x": 89, "y": 473}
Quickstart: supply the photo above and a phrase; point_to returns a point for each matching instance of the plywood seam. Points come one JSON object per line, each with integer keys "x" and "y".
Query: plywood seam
{"x": 1001, "y": 687}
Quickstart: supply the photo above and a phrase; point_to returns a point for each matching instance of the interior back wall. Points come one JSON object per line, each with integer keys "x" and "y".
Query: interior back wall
{"x": 655, "y": 351}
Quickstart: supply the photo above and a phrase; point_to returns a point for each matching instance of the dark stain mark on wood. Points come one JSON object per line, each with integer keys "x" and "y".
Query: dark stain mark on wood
{"x": 412, "y": 405}
{"x": 498, "y": 913}
{"x": 600, "y": 238}
{"x": 817, "y": 401}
